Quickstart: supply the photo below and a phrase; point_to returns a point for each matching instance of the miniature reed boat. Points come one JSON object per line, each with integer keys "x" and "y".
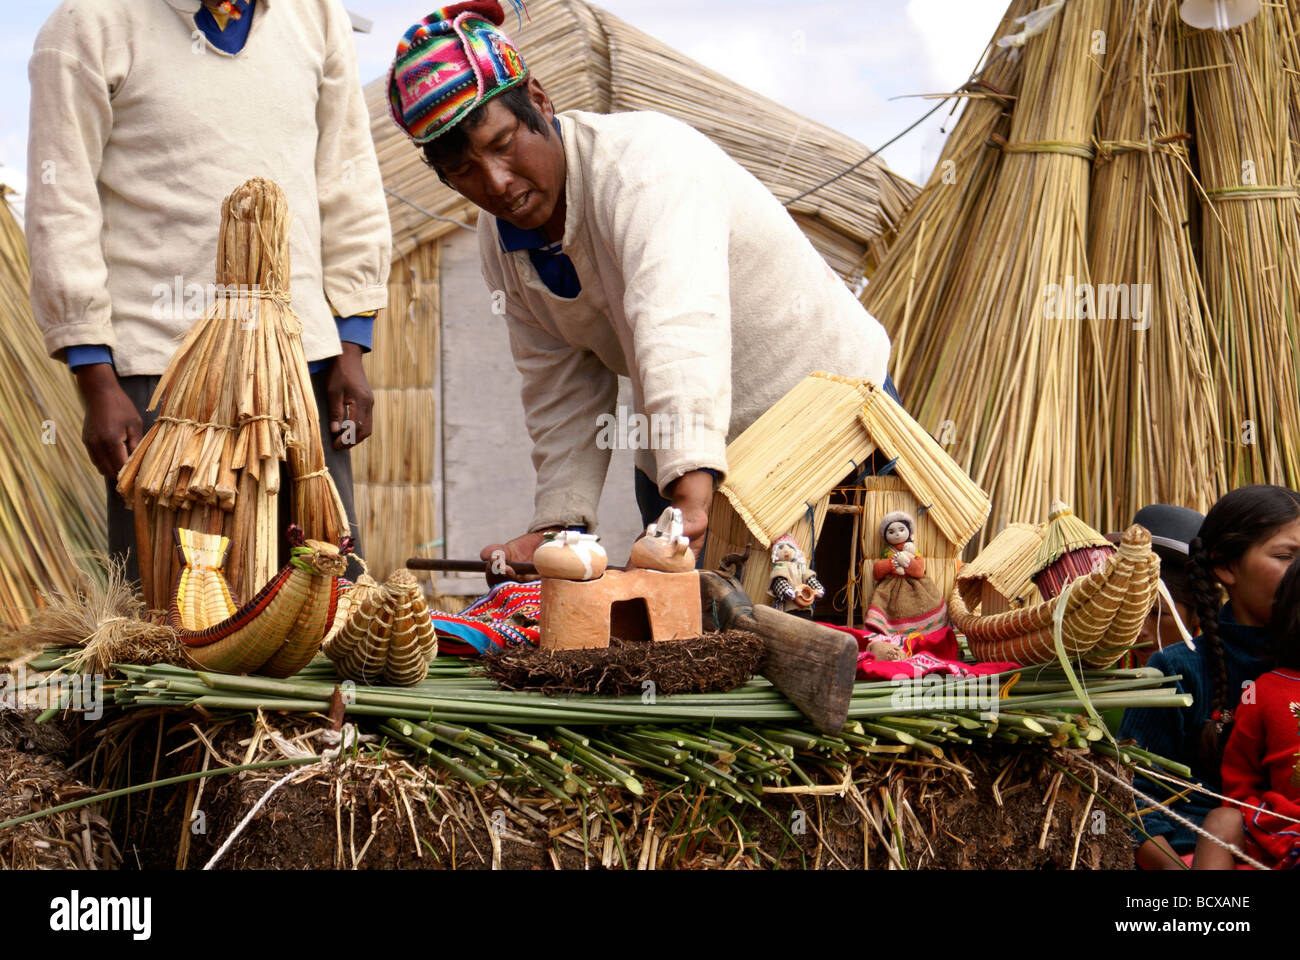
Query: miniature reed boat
{"x": 277, "y": 632}
{"x": 1103, "y": 614}
{"x": 387, "y": 635}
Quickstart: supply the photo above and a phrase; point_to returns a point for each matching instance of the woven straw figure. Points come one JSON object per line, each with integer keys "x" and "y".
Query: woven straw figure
{"x": 388, "y": 637}
{"x": 905, "y": 600}
{"x": 793, "y": 586}
{"x": 277, "y": 632}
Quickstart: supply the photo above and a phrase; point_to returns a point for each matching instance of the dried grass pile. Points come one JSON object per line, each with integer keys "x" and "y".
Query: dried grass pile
{"x": 33, "y": 778}
{"x": 103, "y": 617}
{"x": 714, "y": 661}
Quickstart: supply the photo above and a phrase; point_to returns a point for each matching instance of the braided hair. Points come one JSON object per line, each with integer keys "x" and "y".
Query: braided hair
{"x": 1237, "y": 521}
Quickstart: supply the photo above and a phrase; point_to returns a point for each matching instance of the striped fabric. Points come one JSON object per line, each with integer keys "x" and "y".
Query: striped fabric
{"x": 504, "y": 617}
{"x": 449, "y": 63}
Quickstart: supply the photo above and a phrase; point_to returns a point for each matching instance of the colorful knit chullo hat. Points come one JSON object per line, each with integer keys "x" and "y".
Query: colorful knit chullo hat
{"x": 448, "y": 64}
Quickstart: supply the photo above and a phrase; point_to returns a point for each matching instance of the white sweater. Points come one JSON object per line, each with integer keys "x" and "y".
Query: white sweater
{"x": 140, "y": 128}
{"x": 696, "y": 284}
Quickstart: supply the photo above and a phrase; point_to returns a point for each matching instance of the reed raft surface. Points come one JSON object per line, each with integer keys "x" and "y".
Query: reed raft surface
{"x": 235, "y": 401}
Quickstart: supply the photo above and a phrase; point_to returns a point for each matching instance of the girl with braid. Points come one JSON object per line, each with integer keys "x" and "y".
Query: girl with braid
{"x": 1261, "y": 763}
{"x": 1247, "y": 542}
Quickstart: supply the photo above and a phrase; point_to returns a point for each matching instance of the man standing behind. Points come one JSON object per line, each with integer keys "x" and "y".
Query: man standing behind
{"x": 145, "y": 114}
{"x": 623, "y": 244}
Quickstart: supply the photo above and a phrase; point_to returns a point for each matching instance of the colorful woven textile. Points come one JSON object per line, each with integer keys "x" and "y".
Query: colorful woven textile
{"x": 449, "y": 63}
{"x": 935, "y": 652}
{"x": 505, "y": 616}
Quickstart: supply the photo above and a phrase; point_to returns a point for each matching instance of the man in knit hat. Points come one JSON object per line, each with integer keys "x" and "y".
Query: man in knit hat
{"x": 623, "y": 244}
{"x": 145, "y": 114}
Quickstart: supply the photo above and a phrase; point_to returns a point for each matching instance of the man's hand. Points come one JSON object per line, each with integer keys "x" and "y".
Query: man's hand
{"x": 351, "y": 401}
{"x": 112, "y": 428}
{"x": 692, "y": 494}
{"x": 519, "y": 550}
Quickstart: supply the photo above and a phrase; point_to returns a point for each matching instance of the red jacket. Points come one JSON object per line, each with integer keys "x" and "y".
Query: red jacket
{"x": 1261, "y": 765}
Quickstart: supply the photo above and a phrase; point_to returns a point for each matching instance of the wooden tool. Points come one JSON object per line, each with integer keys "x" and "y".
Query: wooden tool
{"x": 468, "y": 566}
{"x": 812, "y": 665}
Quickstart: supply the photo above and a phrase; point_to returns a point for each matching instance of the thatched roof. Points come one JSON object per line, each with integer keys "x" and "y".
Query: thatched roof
{"x": 824, "y": 430}
{"x": 1007, "y": 563}
{"x": 589, "y": 60}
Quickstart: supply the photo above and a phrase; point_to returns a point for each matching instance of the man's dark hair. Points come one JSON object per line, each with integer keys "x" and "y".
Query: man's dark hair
{"x": 447, "y": 150}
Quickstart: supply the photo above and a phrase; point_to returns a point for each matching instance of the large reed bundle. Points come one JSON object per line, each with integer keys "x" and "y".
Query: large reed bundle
{"x": 51, "y": 498}
{"x": 910, "y": 288}
{"x": 1150, "y": 429}
{"x": 235, "y": 400}
{"x": 1007, "y": 378}
{"x": 1245, "y": 107}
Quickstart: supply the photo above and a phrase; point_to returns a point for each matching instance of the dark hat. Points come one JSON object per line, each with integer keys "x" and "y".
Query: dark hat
{"x": 1172, "y": 528}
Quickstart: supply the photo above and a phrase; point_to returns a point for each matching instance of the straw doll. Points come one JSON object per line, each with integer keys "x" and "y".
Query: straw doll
{"x": 793, "y": 587}
{"x": 905, "y": 600}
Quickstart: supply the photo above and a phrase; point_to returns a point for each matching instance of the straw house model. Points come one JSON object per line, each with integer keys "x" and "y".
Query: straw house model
{"x": 1001, "y": 577}
{"x": 825, "y": 464}
{"x": 448, "y": 468}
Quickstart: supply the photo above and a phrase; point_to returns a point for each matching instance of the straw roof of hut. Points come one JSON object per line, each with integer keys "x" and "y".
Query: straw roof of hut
{"x": 1008, "y": 564}
{"x": 589, "y": 60}
{"x": 51, "y": 498}
{"x": 824, "y": 430}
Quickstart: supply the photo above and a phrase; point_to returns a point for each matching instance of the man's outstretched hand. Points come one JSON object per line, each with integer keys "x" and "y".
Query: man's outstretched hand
{"x": 692, "y": 494}
{"x": 519, "y": 550}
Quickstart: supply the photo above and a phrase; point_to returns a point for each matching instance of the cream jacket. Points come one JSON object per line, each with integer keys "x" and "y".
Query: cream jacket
{"x": 696, "y": 284}
{"x": 139, "y": 129}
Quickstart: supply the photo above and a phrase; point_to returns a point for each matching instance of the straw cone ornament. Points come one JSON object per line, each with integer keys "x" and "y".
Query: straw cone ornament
{"x": 276, "y": 633}
{"x": 234, "y": 402}
{"x": 388, "y": 636}
{"x": 1070, "y": 549}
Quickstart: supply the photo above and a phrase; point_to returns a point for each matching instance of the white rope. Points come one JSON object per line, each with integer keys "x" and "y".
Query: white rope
{"x": 1210, "y": 793}
{"x": 1239, "y": 854}
{"x": 348, "y": 736}
{"x": 221, "y": 852}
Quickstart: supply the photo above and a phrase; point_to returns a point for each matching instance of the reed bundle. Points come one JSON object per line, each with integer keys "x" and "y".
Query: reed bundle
{"x": 1008, "y": 379}
{"x": 1150, "y": 429}
{"x": 747, "y": 744}
{"x": 1245, "y": 109}
{"x": 51, "y": 498}
{"x": 913, "y": 286}
{"x": 235, "y": 400}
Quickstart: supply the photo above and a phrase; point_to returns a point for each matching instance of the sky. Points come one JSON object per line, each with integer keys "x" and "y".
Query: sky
{"x": 855, "y": 65}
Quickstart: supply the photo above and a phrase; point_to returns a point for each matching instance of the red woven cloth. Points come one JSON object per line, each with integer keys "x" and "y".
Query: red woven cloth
{"x": 934, "y": 652}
